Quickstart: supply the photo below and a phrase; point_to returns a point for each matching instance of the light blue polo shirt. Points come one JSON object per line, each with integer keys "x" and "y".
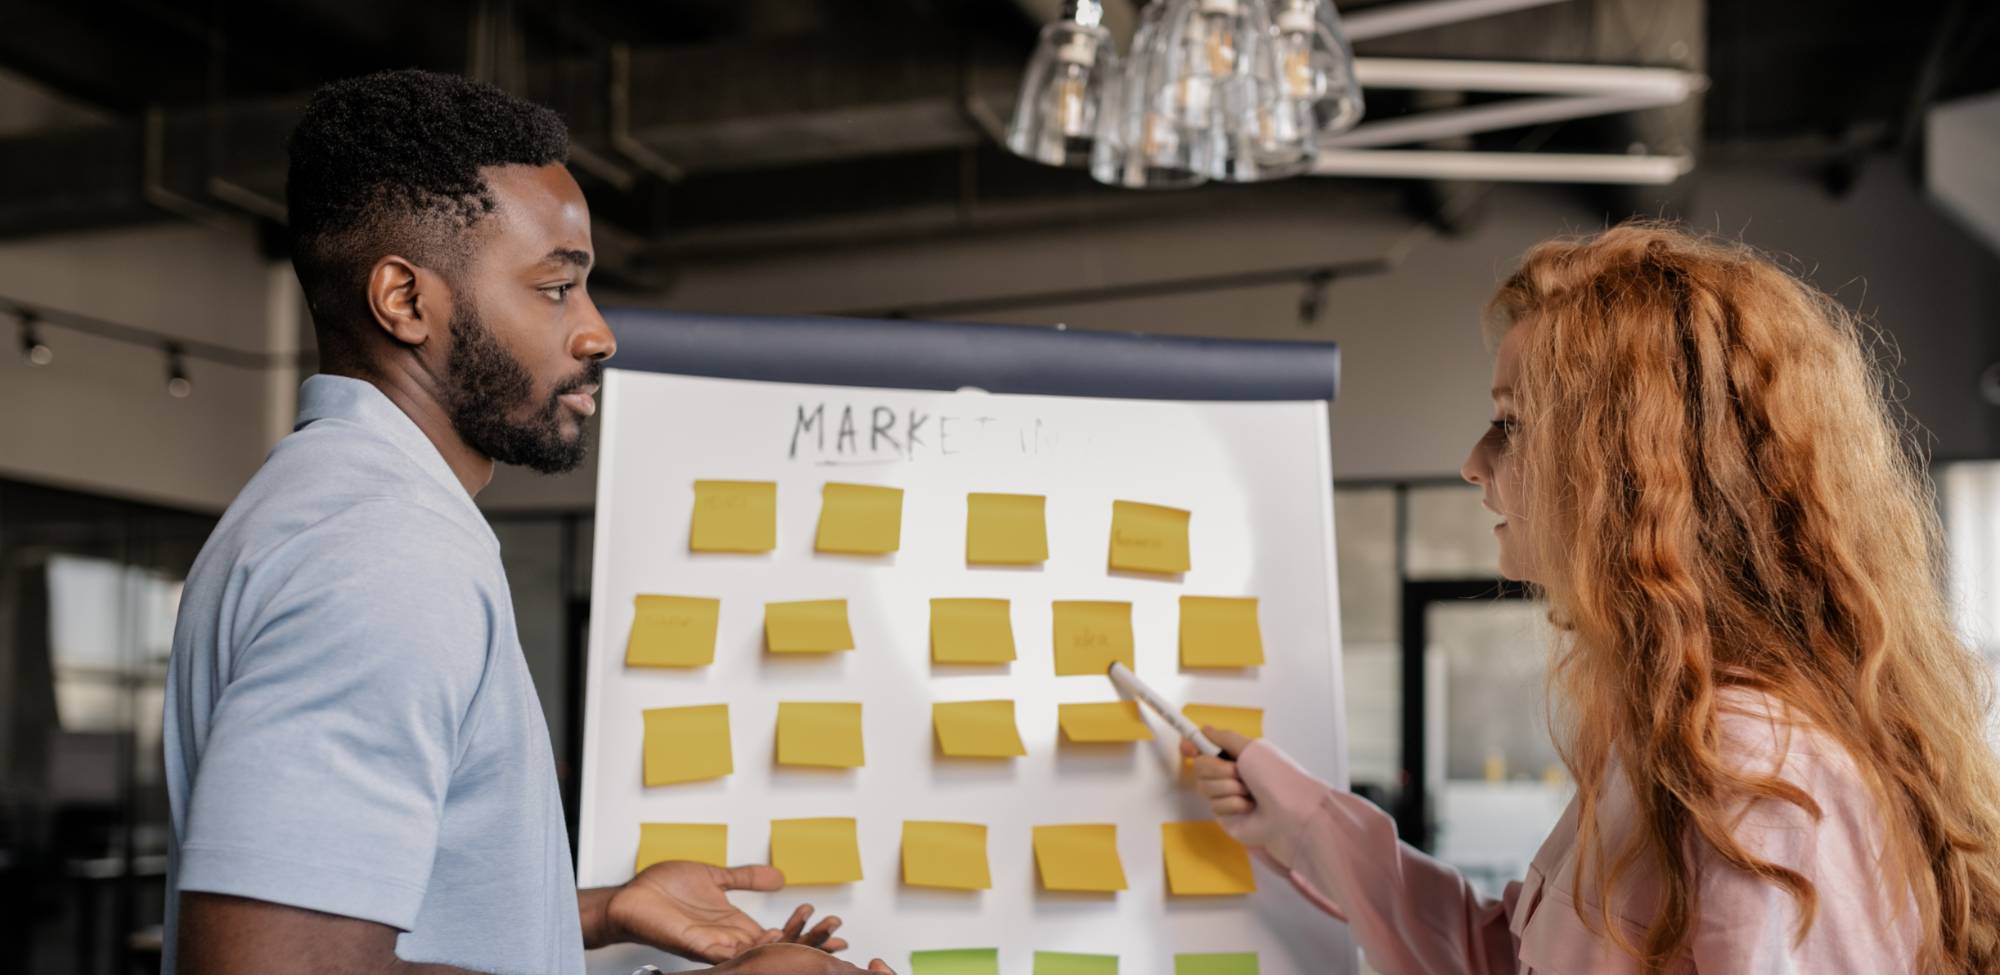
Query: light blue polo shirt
{"x": 350, "y": 725}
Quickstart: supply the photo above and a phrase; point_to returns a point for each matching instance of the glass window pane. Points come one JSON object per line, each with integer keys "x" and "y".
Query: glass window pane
{"x": 1498, "y": 782}
{"x": 1451, "y": 534}
{"x": 531, "y": 550}
{"x": 1370, "y": 600}
{"x": 1970, "y": 493}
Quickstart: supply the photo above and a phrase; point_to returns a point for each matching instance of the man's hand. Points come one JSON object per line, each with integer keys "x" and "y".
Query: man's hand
{"x": 683, "y": 908}
{"x": 781, "y": 959}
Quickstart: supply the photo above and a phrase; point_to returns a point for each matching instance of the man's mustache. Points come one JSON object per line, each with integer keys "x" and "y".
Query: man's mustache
{"x": 592, "y": 375}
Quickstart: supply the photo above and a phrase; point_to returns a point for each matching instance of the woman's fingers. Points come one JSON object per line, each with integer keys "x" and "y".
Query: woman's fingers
{"x": 1230, "y": 806}
{"x": 1221, "y": 788}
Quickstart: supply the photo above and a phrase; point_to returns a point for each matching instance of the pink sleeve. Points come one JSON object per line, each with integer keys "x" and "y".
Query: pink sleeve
{"x": 1410, "y": 913}
{"x": 1749, "y": 925}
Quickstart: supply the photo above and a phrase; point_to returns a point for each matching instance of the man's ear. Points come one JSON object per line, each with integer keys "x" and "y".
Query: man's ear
{"x": 408, "y": 302}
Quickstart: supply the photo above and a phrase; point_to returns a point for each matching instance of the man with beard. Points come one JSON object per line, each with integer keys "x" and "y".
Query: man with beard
{"x": 360, "y": 775}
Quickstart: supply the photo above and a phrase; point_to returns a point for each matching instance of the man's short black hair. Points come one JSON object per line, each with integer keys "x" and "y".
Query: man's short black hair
{"x": 390, "y": 163}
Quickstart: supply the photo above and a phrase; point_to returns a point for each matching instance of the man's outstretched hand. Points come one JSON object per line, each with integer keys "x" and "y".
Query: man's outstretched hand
{"x": 781, "y": 959}
{"x": 684, "y": 908}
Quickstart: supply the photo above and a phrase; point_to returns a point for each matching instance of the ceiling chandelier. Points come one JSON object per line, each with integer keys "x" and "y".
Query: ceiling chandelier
{"x": 1230, "y": 90}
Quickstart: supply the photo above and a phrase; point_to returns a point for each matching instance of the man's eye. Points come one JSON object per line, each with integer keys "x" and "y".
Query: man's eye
{"x": 558, "y": 292}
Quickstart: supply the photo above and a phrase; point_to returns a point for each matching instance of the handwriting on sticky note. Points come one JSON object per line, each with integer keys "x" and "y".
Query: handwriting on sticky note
{"x": 860, "y": 519}
{"x": 1148, "y": 538}
{"x": 812, "y": 852}
{"x": 971, "y": 631}
{"x": 956, "y": 961}
{"x": 977, "y": 729}
{"x": 672, "y": 631}
{"x": 1248, "y": 722}
{"x": 1106, "y": 722}
{"x": 1067, "y": 963}
{"x": 694, "y": 842}
{"x": 1079, "y": 857}
{"x": 1089, "y": 635}
{"x": 826, "y": 735}
{"x": 1219, "y": 631}
{"x": 688, "y": 744}
{"x": 809, "y": 626}
{"x": 1230, "y": 963}
{"x": 1006, "y": 529}
{"x": 1203, "y": 860}
{"x": 734, "y": 516}
{"x": 950, "y": 855}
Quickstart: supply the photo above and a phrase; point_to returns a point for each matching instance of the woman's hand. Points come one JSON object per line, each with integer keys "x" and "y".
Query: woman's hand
{"x": 1260, "y": 805}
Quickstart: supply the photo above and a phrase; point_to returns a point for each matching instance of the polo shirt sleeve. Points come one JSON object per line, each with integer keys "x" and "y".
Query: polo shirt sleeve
{"x": 356, "y": 651}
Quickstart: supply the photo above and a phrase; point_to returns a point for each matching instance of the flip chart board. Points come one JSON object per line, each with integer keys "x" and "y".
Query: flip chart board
{"x": 1191, "y": 536}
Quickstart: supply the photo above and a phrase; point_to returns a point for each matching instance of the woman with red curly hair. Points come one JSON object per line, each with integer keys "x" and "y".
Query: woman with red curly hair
{"x": 1777, "y": 739}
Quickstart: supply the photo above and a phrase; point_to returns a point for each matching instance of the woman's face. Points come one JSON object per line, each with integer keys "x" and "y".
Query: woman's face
{"x": 1494, "y": 467}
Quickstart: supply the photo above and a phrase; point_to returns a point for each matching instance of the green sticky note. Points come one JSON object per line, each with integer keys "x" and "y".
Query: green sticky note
{"x": 1229, "y": 963}
{"x": 957, "y": 961}
{"x": 1065, "y": 963}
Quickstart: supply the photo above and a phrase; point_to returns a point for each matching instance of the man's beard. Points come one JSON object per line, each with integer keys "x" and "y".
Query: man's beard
{"x": 487, "y": 387}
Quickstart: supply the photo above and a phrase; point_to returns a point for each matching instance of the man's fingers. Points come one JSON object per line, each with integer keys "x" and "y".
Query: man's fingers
{"x": 818, "y": 936}
{"x": 834, "y": 946}
{"x": 880, "y": 967}
{"x": 758, "y": 877}
{"x": 797, "y": 923}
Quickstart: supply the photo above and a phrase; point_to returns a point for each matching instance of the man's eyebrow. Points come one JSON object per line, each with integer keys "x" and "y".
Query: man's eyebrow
{"x": 569, "y": 255}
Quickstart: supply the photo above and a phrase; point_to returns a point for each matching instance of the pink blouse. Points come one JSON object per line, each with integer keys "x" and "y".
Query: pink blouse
{"x": 1412, "y": 914}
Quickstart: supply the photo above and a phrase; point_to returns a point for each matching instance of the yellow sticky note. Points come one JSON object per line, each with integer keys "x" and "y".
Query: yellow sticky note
{"x": 687, "y": 744}
{"x": 734, "y": 516}
{"x": 1148, "y": 538}
{"x": 945, "y": 855}
{"x": 816, "y": 851}
{"x": 826, "y": 735}
{"x": 1202, "y": 860}
{"x": 1083, "y": 857}
{"x": 1110, "y": 721}
{"x": 971, "y": 631}
{"x": 1006, "y": 529}
{"x": 1218, "y": 631}
{"x": 1090, "y": 635}
{"x": 860, "y": 519}
{"x": 1248, "y": 722}
{"x": 977, "y": 729}
{"x": 672, "y": 631}
{"x": 696, "y": 842}
{"x": 811, "y": 626}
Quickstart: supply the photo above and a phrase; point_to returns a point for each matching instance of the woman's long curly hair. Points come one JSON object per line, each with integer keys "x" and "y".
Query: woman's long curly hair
{"x": 1707, "y": 442}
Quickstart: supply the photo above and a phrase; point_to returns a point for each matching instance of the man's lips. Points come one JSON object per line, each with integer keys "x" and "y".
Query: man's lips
{"x": 582, "y": 399}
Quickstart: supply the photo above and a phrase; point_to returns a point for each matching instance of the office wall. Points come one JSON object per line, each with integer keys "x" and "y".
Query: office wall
{"x": 1414, "y": 391}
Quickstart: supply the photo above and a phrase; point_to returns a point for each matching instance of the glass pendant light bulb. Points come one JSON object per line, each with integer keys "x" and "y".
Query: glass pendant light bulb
{"x": 1225, "y": 92}
{"x": 1056, "y": 117}
{"x": 1317, "y": 66}
{"x": 1140, "y": 142}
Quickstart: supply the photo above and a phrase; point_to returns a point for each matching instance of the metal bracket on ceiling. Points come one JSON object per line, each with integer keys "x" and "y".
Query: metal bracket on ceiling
{"x": 620, "y": 120}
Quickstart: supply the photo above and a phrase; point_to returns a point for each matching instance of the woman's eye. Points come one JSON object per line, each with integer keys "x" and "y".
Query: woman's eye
{"x": 1504, "y": 430}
